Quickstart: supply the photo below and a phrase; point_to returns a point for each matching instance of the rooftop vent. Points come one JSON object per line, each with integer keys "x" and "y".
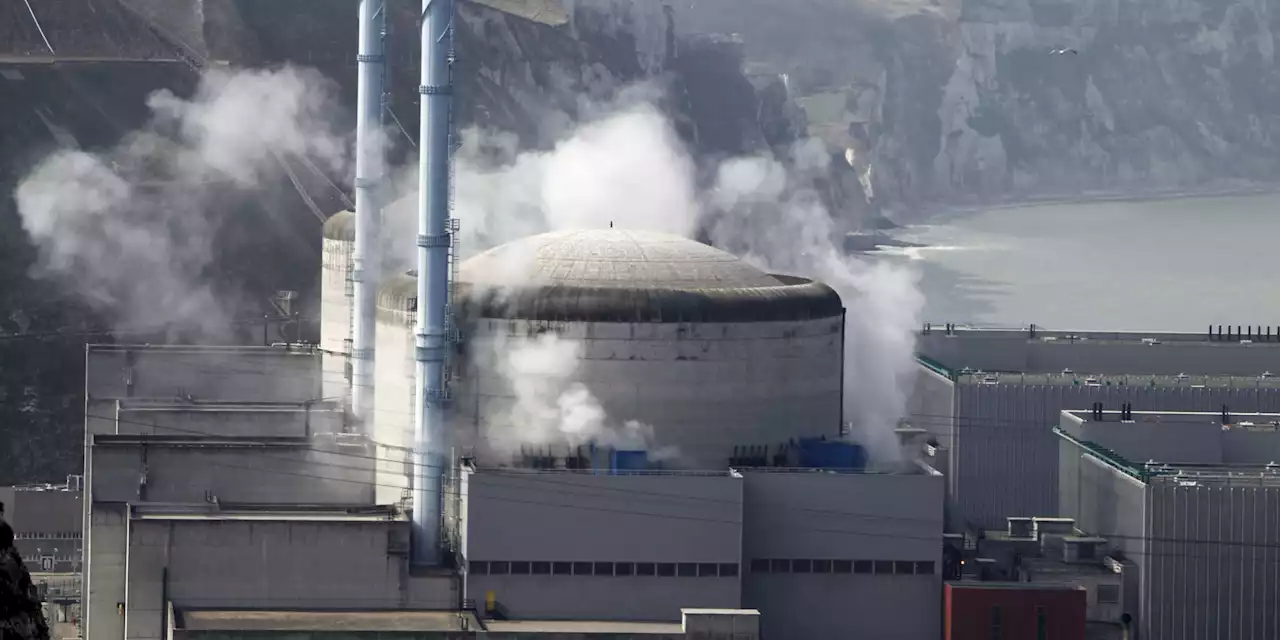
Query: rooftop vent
{"x": 1057, "y": 526}
{"x": 1020, "y": 527}
{"x": 1081, "y": 549}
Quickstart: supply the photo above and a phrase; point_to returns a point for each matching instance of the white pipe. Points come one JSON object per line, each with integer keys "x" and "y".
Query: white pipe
{"x": 433, "y": 279}
{"x": 369, "y": 158}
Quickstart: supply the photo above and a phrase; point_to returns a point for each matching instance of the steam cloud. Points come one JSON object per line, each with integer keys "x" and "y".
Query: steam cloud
{"x": 131, "y": 229}
{"x": 551, "y": 406}
{"x": 775, "y": 219}
{"x": 625, "y": 165}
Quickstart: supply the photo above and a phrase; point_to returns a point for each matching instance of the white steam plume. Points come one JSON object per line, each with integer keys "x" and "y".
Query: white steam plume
{"x": 549, "y": 405}
{"x": 626, "y": 166}
{"x": 131, "y": 228}
{"x": 623, "y": 166}
{"x": 775, "y": 219}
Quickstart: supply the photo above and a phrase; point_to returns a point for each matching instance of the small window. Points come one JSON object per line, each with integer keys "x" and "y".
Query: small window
{"x": 646, "y": 569}
{"x": 603, "y": 569}
{"x": 924, "y": 568}
{"x": 562, "y": 568}
{"x": 687, "y": 570}
{"x": 624, "y": 568}
{"x": 499, "y": 568}
{"x": 904, "y": 567}
{"x": 478, "y": 567}
{"x": 997, "y": 624}
{"x": 842, "y": 566}
{"x": 520, "y": 568}
{"x": 862, "y": 566}
{"x": 759, "y": 565}
{"x": 708, "y": 570}
{"x": 728, "y": 570}
{"x": 884, "y": 567}
{"x": 541, "y": 568}
{"x": 1042, "y": 624}
{"x": 802, "y": 566}
{"x": 582, "y": 568}
{"x": 822, "y": 566}
{"x": 1108, "y": 594}
{"x": 666, "y": 569}
{"x": 780, "y": 566}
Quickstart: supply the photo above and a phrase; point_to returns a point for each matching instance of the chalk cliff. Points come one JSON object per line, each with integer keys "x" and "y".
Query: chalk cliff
{"x": 953, "y": 101}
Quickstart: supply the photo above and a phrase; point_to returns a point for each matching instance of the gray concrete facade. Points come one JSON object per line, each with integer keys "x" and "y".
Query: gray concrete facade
{"x": 1198, "y": 513}
{"x": 819, "y": 554}
{"x": 47, "y": 526}
{"x": 217, "y": 478}
{"x": 993, "y": 397}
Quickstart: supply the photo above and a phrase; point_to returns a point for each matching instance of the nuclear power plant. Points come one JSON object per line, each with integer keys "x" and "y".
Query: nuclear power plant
{"x": 682, "y": 471}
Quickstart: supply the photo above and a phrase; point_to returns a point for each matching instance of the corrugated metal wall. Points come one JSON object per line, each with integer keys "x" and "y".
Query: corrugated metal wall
{"x": 1004, "y": 458}
{"x": 1214, "y": 568}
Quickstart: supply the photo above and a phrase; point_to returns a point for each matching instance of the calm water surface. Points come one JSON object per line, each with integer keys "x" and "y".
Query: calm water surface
{"x": 1176, "y": 265}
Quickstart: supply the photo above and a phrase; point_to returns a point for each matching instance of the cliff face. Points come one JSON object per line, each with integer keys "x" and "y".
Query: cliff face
{"x": 964, "y": 101}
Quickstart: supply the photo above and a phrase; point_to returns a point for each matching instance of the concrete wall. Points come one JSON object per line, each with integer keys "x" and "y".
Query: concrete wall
{"x": 226, "y": 374}
{"x": 227, "y": 421}
{"x": 394, "y": 395}
{"x": 335, "y": 314}
{"x": 1102, "y": 353}
{"x": 704, "y": 387}
{"x": 567, "y": 518}
{"x": 852, "y": 517}
{"x": 252, "y": 474}
{"x": 105, "y": 571}
{"x": 1212, "y": 567}
{"x": 46, "y": 524}
{"x": 264, "y": 564}
{"x": 1191, "y": 443}
{"x": 1004, "y": 457}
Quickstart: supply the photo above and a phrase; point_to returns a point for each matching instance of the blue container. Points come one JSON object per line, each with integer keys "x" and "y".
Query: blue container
{"x": 630, "y": 460}
{"x": 828, "y": 454}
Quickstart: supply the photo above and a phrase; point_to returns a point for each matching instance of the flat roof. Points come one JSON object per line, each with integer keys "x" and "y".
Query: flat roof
{"x": 1033, "y": 350}
{"x": 387, "y": 621}
{"x": 584, "y": 626}
{"x": 1023, "y": 586}
{"x": 1188, "y": 474}
{"x": 1263, "y": 421}
{"x": 227, "y": 407}
{"x": 721, "y": 612}
{"x": 268, "y": 514}
{"x": 303, "y": 349}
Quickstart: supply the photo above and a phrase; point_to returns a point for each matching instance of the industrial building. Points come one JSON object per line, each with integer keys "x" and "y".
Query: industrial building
{"x": 380, "y": 483}
{"x": 711, "y": 352}
{"x": 1192, "y": 500}
{"x": 47, "y": 526}
{"x": 985, "y": 610}
{"x": 232, "y": 501}
{"x": 990, "y": 398}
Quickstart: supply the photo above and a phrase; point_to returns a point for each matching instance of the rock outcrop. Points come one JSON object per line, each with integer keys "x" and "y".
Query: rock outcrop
{"x": 20, "y": 615}
{"x": 955, "y": 101}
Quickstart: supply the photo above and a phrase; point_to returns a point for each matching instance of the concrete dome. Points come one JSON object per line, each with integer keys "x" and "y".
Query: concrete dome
{"x": 620, "y": 275}
{"x": 612, "y": 258}
{"x": 340, "y": 226}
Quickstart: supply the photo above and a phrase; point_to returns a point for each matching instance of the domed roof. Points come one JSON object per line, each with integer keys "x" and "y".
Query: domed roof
{"x": 616, "y": 275}
{"x": 613, "y": 258}
{"x": 341, "y": 226}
